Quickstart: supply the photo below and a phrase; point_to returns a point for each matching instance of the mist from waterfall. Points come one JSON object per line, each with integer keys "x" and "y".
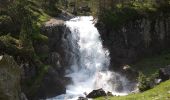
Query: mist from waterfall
{"x": 90, "y": 69}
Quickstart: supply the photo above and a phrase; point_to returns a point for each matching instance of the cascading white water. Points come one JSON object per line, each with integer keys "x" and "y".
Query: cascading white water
{"x": 91, "y": 71}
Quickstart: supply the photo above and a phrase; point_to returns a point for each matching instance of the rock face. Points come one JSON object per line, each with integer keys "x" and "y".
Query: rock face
{"x": 164, "y": 73}
{"x": 96, "y": 93}
{"x": 60, "y": 52}
{"x": 9, "y": 79}
{"x": 54, "y": 83}
{"x": 136, "y": 38}
{"x": 51, "y": 85}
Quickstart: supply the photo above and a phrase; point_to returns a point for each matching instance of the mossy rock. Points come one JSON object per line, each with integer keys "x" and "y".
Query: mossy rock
{"x": 9, "y": 78}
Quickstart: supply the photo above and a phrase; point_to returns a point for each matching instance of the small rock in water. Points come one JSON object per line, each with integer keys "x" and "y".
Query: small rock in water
{"x": 96, "y": 93}
{"x": 109, "y": 93}
{"x": 82, "y": 98}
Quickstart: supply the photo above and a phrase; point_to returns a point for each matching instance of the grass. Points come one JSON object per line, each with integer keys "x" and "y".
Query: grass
{"x": 151, "y": 65}
{"x": 160, "y": 92}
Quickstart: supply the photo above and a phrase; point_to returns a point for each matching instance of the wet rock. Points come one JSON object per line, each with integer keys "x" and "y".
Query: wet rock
{"x": 96, "y": 93}
{"x": 55, "y": 31}
{"x": 129, "y": 72}
{"x": 53, "y": 81}
{"x": 82, "y": 98}
{"x": 109, "y": 93}
{"x": 60, "y": 50}
{"x": 164, "y": 73}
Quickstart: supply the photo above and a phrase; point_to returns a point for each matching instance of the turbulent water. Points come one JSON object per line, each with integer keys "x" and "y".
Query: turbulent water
{"x": 89, "y": 70}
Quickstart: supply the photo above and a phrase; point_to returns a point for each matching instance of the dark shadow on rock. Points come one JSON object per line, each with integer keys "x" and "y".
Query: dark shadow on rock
{"x": 96, "y": 93}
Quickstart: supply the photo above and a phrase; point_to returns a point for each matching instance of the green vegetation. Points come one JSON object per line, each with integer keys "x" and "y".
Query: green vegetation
{"x": 145, "y": 82}
{"x": 151, "y": 65}
{"x": 114, "y": 19}
{"x": 160, "y": 92}
{"x": 148, "y": 68}
{"x": 113, "y": 16}
{"x": 21, "y": 20}
{"x": 90, "y": 7}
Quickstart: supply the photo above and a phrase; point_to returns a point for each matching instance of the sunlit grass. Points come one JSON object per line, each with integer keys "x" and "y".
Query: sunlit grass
{"x": 160, "y": 92}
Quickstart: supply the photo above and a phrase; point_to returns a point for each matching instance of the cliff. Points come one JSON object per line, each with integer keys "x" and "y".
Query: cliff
{"x": 131, "y": 34}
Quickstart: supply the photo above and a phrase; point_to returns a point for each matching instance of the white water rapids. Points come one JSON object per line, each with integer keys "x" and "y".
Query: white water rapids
{"x": 92, "y": 71}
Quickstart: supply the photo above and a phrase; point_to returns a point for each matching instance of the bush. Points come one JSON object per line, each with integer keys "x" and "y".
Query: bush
{"x": 143, "y": 82}
{"x": 146, "y": 83}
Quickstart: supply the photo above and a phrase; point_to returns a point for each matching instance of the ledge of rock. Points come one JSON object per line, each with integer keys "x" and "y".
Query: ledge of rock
{"x": 54, "y": 22}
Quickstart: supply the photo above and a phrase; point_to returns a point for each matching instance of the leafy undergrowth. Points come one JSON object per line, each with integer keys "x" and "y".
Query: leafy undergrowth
{"x": 160, "y": 92}
{"x": 151, "y": 65}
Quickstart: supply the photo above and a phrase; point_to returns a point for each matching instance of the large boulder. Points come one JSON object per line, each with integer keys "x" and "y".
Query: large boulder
{"x": 53, "y": 82}
{"x": 54, "y": 29}
{"x": 52, "y": 85}
{"x": 10, "y": 79}
{"x": 96, "y": 93}
{"x": 60, "y": 50}
{"x": 164, "y": 73}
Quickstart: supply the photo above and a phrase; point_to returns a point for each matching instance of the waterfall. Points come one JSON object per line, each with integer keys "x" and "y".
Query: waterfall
{"x": 90, "y": 66}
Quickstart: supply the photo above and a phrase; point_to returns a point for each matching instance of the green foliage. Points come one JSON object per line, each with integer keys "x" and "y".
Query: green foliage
{"x": 4, "y": 19}
{"x": 145, "y": 82}
{"x": 9, "y": 41}
{"x": 50, "y": 7}
{"x": 120, "y": 13}
{"x": 40, "y": 38}
{"x": 114, "y": 19}
{"x": 150, "y": 65}
{"x": 28, "y": 17}
{"x": 21, "y": 10}
{"x": 160, "y": 92}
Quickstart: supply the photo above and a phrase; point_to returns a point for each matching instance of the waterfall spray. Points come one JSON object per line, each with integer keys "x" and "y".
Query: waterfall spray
{"x": 91, "y": 71}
